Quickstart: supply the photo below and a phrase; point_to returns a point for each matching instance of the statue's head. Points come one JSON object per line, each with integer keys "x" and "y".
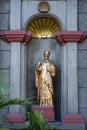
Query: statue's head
{"x": 46, "y": 54}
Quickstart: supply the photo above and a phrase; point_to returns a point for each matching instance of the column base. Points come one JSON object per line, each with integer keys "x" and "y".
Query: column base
{"x": 73, "y": 119}
{"x": 47, "y": 112}
{"x": 73, "y": 122}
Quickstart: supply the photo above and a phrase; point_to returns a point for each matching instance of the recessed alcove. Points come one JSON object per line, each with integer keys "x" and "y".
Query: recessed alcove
{"x": 34, "y": 54}
{"x": 40, "y": 27}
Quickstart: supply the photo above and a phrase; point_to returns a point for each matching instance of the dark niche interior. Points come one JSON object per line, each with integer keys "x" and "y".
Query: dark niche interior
{"x": 34, "y": 53}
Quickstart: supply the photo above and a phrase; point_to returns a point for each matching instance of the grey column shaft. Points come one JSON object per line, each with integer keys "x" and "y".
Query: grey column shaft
{"x": 72, "y": 58}
{"x": 15, "y": 24}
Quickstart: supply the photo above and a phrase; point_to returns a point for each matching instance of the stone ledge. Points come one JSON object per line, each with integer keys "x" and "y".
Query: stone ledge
{"x": 15, "y": 36}
{"x": 60, "y": 126}
{"x": 71, "y": 36}
{"x": 16, "y": 126}
{"x": 71, "y": 127}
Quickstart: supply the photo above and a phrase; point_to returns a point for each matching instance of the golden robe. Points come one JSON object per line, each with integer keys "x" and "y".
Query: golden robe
{"x": 43, "y": 73}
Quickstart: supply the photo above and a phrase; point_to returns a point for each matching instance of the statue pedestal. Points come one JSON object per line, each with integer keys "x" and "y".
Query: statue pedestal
{"x": 47, "y": 112}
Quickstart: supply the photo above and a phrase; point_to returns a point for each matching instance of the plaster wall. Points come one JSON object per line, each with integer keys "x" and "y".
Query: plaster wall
{"x": 4, "y": 49}
{"x": 82, "y": 59}
{"x": 57, "y": 8}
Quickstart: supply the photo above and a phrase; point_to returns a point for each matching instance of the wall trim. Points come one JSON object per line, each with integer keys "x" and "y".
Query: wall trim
{"x": 25, "y": 37}
{"x": 15, "y": 36}
{"x": 71, "y": 36}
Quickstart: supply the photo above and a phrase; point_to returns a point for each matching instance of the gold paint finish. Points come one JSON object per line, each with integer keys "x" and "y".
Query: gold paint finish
{"x": 43, "y": 27}
{"x": 44, "y": 72}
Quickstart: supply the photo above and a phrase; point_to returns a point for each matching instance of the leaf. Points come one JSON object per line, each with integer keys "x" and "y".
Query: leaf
{"x": 7, "y": 102}
{"x": 37, "y": 122}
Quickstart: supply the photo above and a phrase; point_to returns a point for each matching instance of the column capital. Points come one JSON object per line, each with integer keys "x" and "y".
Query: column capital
{"x": 71, "y": 36}
{"x": 15, "y": 36}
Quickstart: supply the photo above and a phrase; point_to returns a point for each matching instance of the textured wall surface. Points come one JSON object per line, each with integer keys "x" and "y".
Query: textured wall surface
{"x": 4, "y": 49}
{"x": 82, "y": 59}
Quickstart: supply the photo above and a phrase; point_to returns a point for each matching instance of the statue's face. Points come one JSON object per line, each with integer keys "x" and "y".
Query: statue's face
{"x": 46, "y": 55}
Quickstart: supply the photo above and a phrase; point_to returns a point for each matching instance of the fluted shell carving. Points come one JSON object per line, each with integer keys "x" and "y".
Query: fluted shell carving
{"x": 43, "y": 27}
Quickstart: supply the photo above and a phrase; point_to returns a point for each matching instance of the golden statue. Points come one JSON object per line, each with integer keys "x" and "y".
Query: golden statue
{"x": 44, "y": 72}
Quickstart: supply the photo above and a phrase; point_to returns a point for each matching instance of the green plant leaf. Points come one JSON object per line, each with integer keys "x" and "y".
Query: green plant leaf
{"x": 7, "y": 102}
{"x": 37, "y": 122}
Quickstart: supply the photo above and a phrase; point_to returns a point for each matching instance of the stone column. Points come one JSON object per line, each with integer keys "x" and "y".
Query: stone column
{"x": 64, "y": 81}
{"x": 72, "y": 58}
{"x": 15, "y": 24}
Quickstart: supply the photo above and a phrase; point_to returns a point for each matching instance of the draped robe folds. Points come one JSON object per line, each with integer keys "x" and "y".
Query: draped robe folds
{"x": 44, "y": 73}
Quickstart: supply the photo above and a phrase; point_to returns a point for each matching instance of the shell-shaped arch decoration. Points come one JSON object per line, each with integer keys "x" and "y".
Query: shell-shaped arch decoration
{"x": 43, "y": 27}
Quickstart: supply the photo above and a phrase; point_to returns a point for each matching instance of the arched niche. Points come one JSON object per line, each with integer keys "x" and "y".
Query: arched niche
{"x": 34, "y": 53}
